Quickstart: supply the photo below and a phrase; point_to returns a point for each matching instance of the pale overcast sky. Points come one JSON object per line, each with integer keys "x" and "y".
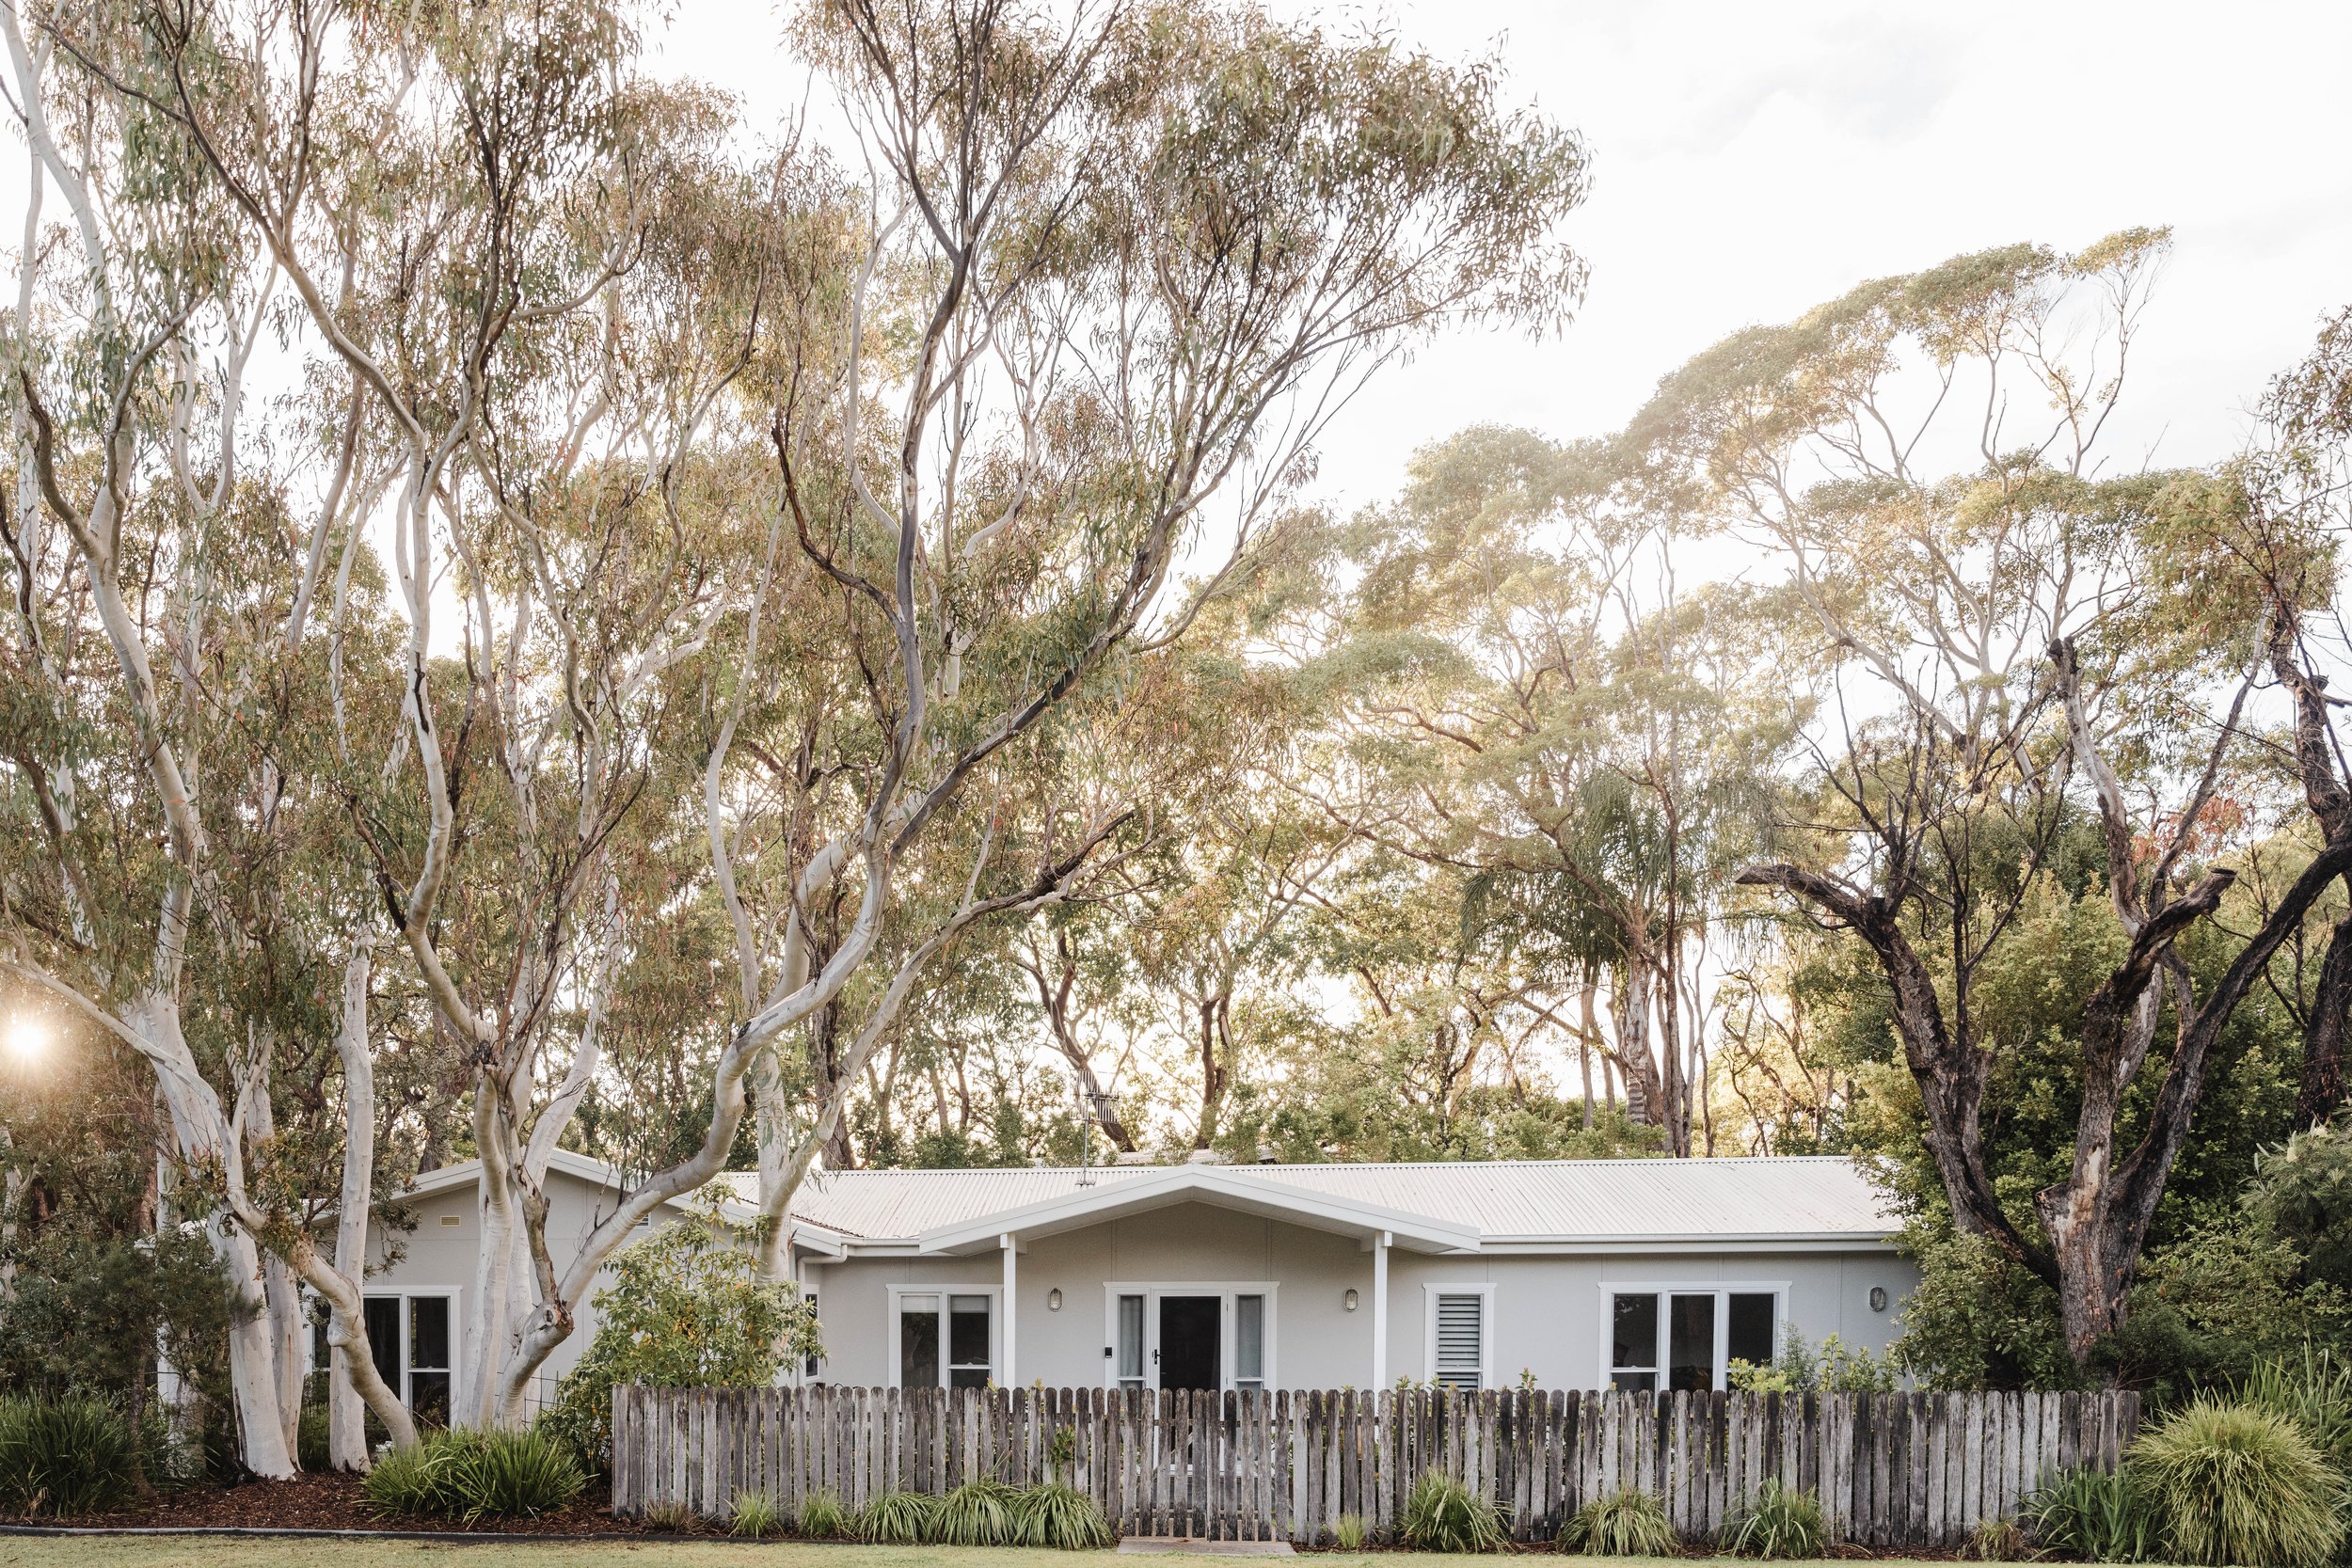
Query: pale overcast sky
{"x": 1751, "y": 160}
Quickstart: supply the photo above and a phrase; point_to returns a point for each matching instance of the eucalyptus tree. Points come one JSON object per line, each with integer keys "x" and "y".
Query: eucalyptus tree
{"x": 2016, "y": 623}
{"x": 1538, "y": 712}
{"x": 150, "y": 521}
{"x": 1129, "y": 260}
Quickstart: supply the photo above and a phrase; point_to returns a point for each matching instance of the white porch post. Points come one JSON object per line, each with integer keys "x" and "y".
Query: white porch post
{"x": 1380, "y": 1311}
{"x": 1013, "y": 1378}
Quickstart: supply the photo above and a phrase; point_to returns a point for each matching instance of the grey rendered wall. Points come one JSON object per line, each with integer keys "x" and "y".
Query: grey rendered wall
{"x": 1317, "y": 1342}
{"x": 441, "y": 1252}
{"x": 1549, "y": 1310}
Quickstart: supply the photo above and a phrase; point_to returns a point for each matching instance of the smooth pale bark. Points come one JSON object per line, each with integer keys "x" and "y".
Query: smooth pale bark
{"x": 346, "y": 1425}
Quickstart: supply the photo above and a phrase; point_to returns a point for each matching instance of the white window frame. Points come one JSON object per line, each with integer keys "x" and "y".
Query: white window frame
{"x": 1430, "y": 1291}
{"x": 1224, "y": 1290}
{"x": 1721, "y": 1292}
{"x": 995, "y": 1294}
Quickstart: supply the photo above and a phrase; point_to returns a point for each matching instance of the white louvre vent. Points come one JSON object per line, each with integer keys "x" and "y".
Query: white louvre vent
{"x": 1461, "y": 1340}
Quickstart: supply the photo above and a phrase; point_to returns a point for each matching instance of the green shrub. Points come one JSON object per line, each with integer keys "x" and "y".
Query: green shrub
{"x": 684, "y": 1310}
{"x": 1441, "y": 1515}
{"x": 1779, "y": 1521}
{"x": 1624, "y": 1523}
{"x": 755, "y": 1515}
{"x": 65, "y": 1456}
{"x": 311, "y": 1438}
{"x": 2093, "y": 1517}
{"x": 470, "y": 1475}
{"x": 1060, "y": 1516}
{"x": 977, "y": 1513}
{"x": 1349, "y": 1531}
{"x": 2238, "y": 1483}
{"x": 824, "y": 1517}
{"x": 897, "y": 1518}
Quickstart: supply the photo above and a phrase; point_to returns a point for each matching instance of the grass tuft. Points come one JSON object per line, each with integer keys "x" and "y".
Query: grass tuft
{"x": 1624, "y": 1523}
{"x": 1059, "y": 1516}
{"x": 897, "y": 1518}
{"x": 1779, "y": 1521}
{"x": 2239, "y": 1484}
{"x": 1441, "y": 1515}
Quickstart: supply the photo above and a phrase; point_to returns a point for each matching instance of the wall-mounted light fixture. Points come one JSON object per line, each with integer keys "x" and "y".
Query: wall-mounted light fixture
{"x": 1053, "y": 1299}
{"x": 1350, "y": 1298}
{"x": 1878, "y": 1298}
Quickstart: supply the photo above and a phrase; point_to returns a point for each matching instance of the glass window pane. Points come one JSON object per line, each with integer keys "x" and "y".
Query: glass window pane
{"x": 919, "y": 1345}
{"x": 428, "y": 1397}
{"x": 428, "y": 1333}
{"x": 1130, "y": 1337}
{"x": 968, "y": 1377}
{"x": 1634, "y": 1383}
{"x": 1691, "y": 1343}
{"x": 382, "y": 1316}
{"x": 1634, "y": 1337}
{"x": 808, "y": 1369}
{"x": 967, "y": 1331}
{"x": 1249, "y": 1339}
{"x": 1748, "y": 1333}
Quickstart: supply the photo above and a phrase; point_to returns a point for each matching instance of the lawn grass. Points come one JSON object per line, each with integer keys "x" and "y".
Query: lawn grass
{"x": 198, "y": 1551}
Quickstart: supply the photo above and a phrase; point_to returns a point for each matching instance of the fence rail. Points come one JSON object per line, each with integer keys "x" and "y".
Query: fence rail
{"x": 1890, "y": 1469}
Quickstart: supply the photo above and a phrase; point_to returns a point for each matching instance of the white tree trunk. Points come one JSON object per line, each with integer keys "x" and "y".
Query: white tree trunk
{"x": 346, "y": 1416}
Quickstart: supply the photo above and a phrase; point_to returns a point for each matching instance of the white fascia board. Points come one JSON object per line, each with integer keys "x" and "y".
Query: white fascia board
{"x": 1525, "y": 1246}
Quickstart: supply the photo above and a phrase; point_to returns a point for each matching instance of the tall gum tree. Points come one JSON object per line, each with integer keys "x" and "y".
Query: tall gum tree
{"x": 2012, "y": 621}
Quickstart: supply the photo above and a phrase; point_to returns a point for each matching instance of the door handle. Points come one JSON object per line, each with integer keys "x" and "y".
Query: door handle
{"x": 1156, "y": 1358}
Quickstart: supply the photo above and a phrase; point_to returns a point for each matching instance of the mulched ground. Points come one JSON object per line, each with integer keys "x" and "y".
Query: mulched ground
{"x": 333, "y": 1502}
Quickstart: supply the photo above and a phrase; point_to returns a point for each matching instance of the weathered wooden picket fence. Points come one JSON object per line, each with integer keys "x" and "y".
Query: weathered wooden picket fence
{"x": 1891, "y": 1469}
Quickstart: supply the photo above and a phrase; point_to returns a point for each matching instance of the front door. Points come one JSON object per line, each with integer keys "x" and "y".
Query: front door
{"x": 1190, "y": 1328}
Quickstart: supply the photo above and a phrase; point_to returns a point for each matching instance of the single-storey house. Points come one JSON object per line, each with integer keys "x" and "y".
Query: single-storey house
{"x": 1577, "y": 1274}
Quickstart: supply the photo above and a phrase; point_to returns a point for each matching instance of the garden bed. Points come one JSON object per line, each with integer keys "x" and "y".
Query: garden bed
{"x": 333, "y": 1502}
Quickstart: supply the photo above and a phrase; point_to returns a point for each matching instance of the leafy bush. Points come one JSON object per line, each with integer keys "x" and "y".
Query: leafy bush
{"x": 977, "y": 1513}
{"x": 470, "y": 1475}
{"x": 65, "y": 1456}
{"x": 897, "y": 1518}
{"x": 684, "y": 1310}
{"x": 1441, "y": 1515}
{"x": 311, "y": 1438}
{"x": 753, "y": 1516}
{"x": 1837, "y": 1368}
{"x": 1349, "y": 1531}
{"x": 1624, "y": 1523}
{"x": 2093, "y": 1517}
{"x": 2237, "y": 1483}
{"x": 1779, "y": 1521}
{"x": 1059, "y": 1516}
{"x": 824, "y": 1517}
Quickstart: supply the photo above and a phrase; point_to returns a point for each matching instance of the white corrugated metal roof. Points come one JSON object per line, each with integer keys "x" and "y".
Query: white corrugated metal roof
{"x": 1514, "y": 1201}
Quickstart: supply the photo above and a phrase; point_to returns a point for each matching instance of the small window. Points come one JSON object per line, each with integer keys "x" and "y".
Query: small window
{"x": 1131, "y": 1341}
{"x": 1249, "y": 1341}
{"x": 968, "y": 1365}
{"x": 1633, "y": 1344}
{"x": 918, "y": 1341}
{"x": 809, "y": 1368}
{"x": 1461, "y": 1341}
{"x": 382, "y": 1316}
